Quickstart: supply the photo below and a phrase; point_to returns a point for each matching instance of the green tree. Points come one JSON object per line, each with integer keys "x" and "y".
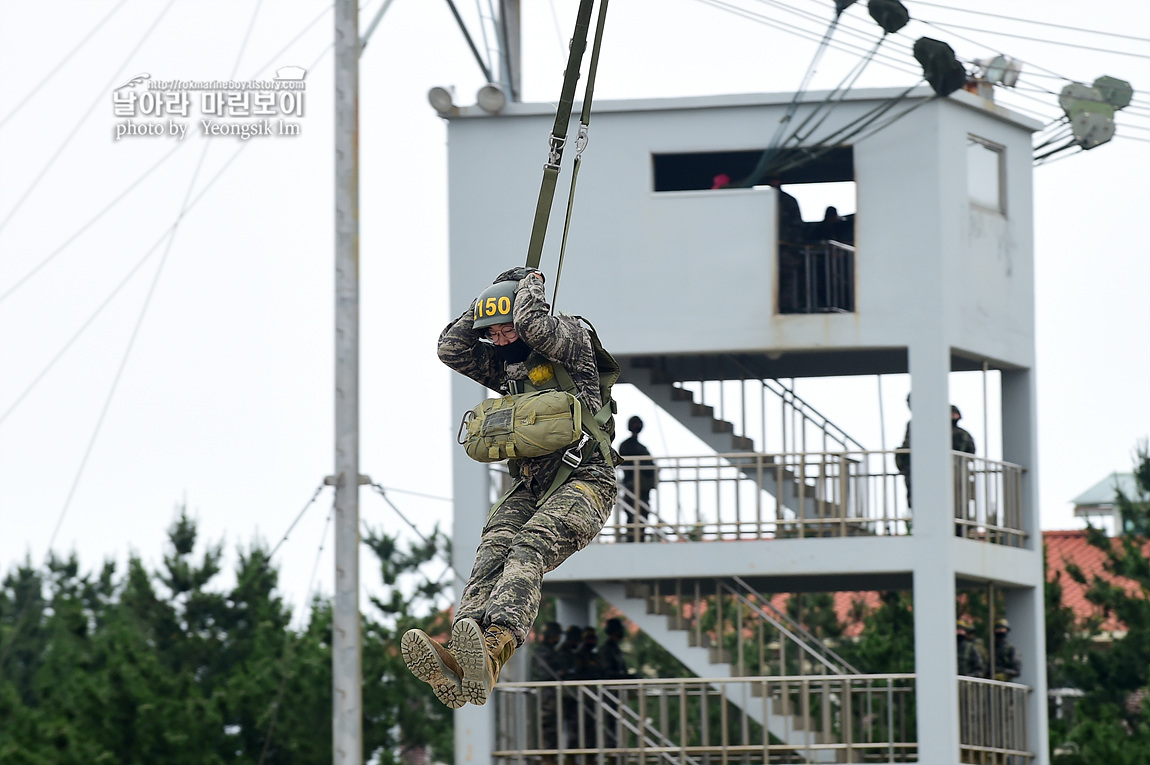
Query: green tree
{"x": 167, "y": 666}
{"x": 1112, "y": 722}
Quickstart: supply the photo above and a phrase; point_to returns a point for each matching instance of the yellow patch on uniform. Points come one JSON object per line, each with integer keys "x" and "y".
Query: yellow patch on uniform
{"x": 541, "y": 374}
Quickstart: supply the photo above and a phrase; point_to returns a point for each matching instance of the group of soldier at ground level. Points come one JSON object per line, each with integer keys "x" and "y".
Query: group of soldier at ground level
{"x": 973, "y": 660}
{"x": 577, "y": 657}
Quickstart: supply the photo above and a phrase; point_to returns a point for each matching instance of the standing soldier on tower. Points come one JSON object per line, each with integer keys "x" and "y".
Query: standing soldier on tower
{"x": 970, "y": 660}
{"x": 545, "y": 668}
{"x": 507, "y": 340}
{"x": 1007, "y": 663}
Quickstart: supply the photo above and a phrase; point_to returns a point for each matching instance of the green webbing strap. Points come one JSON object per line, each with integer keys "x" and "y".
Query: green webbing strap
{"x": 559, "y": 134}
{"x": 496, "y": 506}
{"x": 580, "y": 142}
{"x": 593, "y": 422}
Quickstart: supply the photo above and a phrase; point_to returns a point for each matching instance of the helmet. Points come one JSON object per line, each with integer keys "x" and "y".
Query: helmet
{"x": 954, "y": 411}
{"x": 574, "y": 632}
{"x": 1001, "y": 624}
{"x": 613, "y": 625}
{"x": 494, "y": 304}
{"x": 552, "y": 630}
{"x": 590, "y": 635}
{"x": 965, "y": 623}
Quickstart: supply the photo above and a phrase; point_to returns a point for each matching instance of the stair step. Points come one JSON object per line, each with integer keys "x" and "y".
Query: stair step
{"x": 634, "y": 589}
{"x": 702, "y": 410}
{"x": 682, "y": 394}
{"x": 722, "y": 426}
{"x": 742, "y": 444}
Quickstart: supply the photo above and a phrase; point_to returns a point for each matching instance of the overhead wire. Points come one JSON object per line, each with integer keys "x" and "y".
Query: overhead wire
{"x": 959, "y": 9}
{"x": 290, "y": 638}
{"x": 20, "y": 617}
{"x": 84, "y": 118}
{"x": 151, "y": 169}
{"x": 92, "y": 221}
{"x": 60, "y": 64}
{"x": 88, "y": 322}
{"x": 1047, "y": 41}
{"x": 184, "y": 207}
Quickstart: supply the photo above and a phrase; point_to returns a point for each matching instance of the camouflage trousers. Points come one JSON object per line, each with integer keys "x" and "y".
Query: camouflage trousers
{"x": 520, "y": 543}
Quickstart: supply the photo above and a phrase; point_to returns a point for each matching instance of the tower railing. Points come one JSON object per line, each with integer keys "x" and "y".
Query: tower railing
{"x": 993, "y": 721}
{"x": 746, "y": 495}
{"x": 988, "y": 500}
{"x": 709, "y": 720}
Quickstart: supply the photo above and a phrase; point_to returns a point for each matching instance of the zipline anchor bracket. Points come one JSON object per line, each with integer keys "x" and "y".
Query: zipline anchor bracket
{"x": 333, "y": 480}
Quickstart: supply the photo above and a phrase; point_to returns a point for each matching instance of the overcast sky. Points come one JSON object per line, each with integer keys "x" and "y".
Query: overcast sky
{"x": 225, "y": 398}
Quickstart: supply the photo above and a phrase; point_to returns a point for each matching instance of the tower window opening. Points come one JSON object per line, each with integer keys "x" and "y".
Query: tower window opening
{"x": 986, "y": 174}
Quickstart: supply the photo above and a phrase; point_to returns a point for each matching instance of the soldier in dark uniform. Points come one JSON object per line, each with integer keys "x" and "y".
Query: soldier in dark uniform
{"x": 611, "y": 661}
{"x": 970, "y": 659}
{"x": 639, "y": 479}
{"x": 614, "y": 667}
{"x": 509, "y": 334}
{"x": 545, "y": 667}
{"x": 964, "y": 488}
{"x": 1007, "y": 662}
{"x": 567, "y": 668}
{"x": 588, "y": 667}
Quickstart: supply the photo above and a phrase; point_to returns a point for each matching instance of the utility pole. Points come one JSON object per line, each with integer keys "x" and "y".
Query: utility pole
{"x": 346, "y": 657}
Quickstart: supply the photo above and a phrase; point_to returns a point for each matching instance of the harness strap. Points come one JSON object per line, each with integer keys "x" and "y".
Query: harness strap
{"x": 559, "y": 134}
{"x": 580, "y": 142}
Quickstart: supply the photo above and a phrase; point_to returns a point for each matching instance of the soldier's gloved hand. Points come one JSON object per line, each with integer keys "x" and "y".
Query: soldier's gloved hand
{"x": 517, "y": 274}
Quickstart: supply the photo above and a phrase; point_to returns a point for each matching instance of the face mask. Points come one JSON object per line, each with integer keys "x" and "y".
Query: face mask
{"x": 513, "y": 353}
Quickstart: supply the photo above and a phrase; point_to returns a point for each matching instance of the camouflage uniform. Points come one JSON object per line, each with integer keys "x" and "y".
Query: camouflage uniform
{"x": 522, "y": 542}
{"x": 545, "y": 668}
{"x": 970, "y": 660}
{"x": 960, "y": 441}
{"x": 1007, "y": 664}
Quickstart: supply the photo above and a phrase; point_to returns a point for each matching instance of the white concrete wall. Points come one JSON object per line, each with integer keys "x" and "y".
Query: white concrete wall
{"x": 661, "y": 270}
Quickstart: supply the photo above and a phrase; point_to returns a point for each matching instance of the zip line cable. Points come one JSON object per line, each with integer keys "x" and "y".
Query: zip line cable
{"x": 846, "y": 47}
{"x": 184, "y": 207}
{"x": 948, "y": 25}
{"x": 418, "y": 494}
{"x": 99, "y": 98}
{"x": 290, "y": 639}
{"x": 299, "y": 515}
{"x": 1031, "y": 21}
{"x": 470, "y": 42}
{"x": 51, "y": 256}
{"x": 133, "y": 270}
{"x": 60, "y": 65}
{"x": 148, "y": 172}
{"x": 450, "y": 566}
{"x": 167, "y": 232}
{"x": 808, "y": 35}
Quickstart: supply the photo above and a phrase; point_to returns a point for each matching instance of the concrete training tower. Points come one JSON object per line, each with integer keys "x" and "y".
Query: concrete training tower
{"x": 709, "y": 299}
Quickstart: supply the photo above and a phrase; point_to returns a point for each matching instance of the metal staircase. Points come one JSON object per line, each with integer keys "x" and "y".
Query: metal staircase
{"x": 798, "y": 427}
{"x": 724, "y": 629}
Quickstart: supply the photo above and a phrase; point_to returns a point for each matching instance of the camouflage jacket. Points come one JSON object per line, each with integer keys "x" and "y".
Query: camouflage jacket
{"x": 561, "y": 339}
{"x": 961, "y": 440}
{"x": 1007, "y": 664}
{"x": 970, "y": 660}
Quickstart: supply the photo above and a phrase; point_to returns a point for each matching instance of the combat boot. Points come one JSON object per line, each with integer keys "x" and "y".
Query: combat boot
{"x": 434, "y": 665}
{"x": 481, "y": 655}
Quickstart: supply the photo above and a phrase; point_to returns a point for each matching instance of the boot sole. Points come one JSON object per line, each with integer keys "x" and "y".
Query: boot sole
{"x": 468, "y": 649}
{"x": 424, "y": 662}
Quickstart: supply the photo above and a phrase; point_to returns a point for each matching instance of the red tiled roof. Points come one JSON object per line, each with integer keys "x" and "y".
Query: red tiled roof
{"x": 1067, "y": 547}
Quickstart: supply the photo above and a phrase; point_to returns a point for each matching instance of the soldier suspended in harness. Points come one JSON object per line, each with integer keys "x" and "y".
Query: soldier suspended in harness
{"x": 562, "y": 463}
